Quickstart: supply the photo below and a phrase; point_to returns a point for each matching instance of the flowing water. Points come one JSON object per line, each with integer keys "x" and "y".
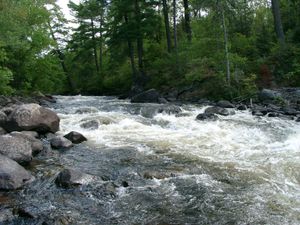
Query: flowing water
{"x": 157, "y": 168}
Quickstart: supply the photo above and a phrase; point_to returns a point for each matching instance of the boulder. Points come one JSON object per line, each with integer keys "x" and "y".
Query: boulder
{"x": 225, "y": 104}
{"x": 12, "y": 175}
{"x": 91, "y": 125}
{"x": 149, "y": 111}
{"x": 16, "y": 148}
{"x": 149, "y": 96}
{"x": 32, "y": 117}
{"x": 242, "y": 107}
{"x": 290, "y": 111}
{"x": 217, "y": 110}
{"x": 298, "y": 119}
{"x": 71, "y": 178}
{"x": 36, "y": 145}
{"x": 31, "y": 133}
{"x": 2, "y": 131}
{"x": 75, "y": 137}
{"x": 60, "y": 143}
{"x": 207, "y": 116}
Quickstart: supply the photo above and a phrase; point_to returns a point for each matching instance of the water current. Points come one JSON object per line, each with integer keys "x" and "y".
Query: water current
{"x": 161, "y": 168}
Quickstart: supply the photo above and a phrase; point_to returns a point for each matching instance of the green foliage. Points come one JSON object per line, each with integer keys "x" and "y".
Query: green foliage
{"x": 5, "y": 75}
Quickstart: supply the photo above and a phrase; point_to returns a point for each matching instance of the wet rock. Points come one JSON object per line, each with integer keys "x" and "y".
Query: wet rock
{"x": 225, "y": 104}
{"x": 16, "y": 148}
{"x": 9, "y": 109}
{"x": 91, "y": 125}
{"x": 49, "y": 136}
{"x": 290, "y": 111}
{"x": 242, "y": 107}
{"x": 207, "y": 116}
{"x": 273, "y": 114}
{"x": 69, "y": 178}
{"x": 151, "y": 111}
{"x": 75, "y": 137}
{"x": 157, "y": 175}
{"x": 86, "y": 110}
{"x": 217, "y": 110}
{"x": 36, "y": 145}
{"x": 150, "y": 96}
{"x": 60, "y": 143}
{"x": 12, "y": 175}
{"x": 2, "y": 131}
{"x": 125, "y": 184}
{"x": 298, "y": 119}
{"x": 32, "y": 117}
{"x": 257, "y": 113}
{"x": 31, "y": 133}
{"x": 3, "y": 118}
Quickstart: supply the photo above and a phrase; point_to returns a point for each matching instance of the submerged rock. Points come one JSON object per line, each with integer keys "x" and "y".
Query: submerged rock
{"x": 242, "y": 107}
{"x": 12, "y": 175}
{"x": 69, "y": 178}
{"x": 16, "y": 148}
{"x": 60, "y": 143}
{"x": 32, "y": 117}
{"x": 86, "y": 110}
{"x": 152, "y": 110}
{"x": 91, "y": 125}
{"x": 75, "y": 137}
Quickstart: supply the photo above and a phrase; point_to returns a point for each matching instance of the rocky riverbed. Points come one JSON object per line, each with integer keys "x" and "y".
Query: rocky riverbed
{"x": 101, "y": 160}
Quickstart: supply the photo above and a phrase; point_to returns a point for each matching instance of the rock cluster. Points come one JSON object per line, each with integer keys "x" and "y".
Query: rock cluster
{"x": 22, "y": 128}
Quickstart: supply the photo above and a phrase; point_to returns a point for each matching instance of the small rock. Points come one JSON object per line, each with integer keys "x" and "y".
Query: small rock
{"x": 60, "y": 143}
{"x": 207, "y": 116}
{"x": 217, "y": 110}
{"x": 273, "y": 114}
{"x": 12, "y": 175}
{"x": 31, "y": 133}
{"x": 3, "y": 118}
{"x": 69, "y": 178}
{"x": 75, "y": 137}
{"x": 257, "y": 113}
{"x": 242, "y": 107}
{"x": 298, "y": 119}
{"x": 125, "y": 184}
{"x": 16, "y": 148}
{"x": 91, "y": 125}
{"x": 225, "y": 104}
{"x": 290, "y": 111}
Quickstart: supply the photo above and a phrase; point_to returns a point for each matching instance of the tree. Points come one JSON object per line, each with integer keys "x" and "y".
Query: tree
{"x": 277, "y": 22}
{"x": 167, "y": 24}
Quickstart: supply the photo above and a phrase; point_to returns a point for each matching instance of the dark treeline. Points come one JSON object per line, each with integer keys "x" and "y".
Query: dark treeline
{"x": 225, "y": 48}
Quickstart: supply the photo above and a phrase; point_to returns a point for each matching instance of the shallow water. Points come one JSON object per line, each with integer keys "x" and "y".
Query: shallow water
{"x": 237, "y": 170}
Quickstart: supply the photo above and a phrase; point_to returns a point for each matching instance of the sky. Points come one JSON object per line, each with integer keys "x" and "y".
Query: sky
{"x": 64, "y": 5}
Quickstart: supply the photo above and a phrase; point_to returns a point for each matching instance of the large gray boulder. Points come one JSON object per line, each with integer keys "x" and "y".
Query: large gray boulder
{"x": 16, "y": 148}
{"x": 32, "y": 117}
{"x": 269, "y": 95}
{"x": 12, "y": 175}
{"x": 36, "y": 145}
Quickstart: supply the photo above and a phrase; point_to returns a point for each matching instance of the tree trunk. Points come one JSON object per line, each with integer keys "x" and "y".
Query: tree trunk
{"x": 94, "y": 45}
{"x": 167, "y": 25}
{"x": 175, "y": 24}
{"x": 101, "y": 46}
{"x": 277, "y": 22}
{"x": 187, "y": 19}
{"x": 61, "y": 58}
{"x": 228, "y": 75}
{"x": 140, "y": 42}
{"x": 131, "y": 55}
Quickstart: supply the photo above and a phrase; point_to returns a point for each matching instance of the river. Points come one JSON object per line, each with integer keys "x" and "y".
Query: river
{"x": 156, "y": 168}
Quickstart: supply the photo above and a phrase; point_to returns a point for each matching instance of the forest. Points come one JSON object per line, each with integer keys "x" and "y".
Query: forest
{"x": 224, "y": 49}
